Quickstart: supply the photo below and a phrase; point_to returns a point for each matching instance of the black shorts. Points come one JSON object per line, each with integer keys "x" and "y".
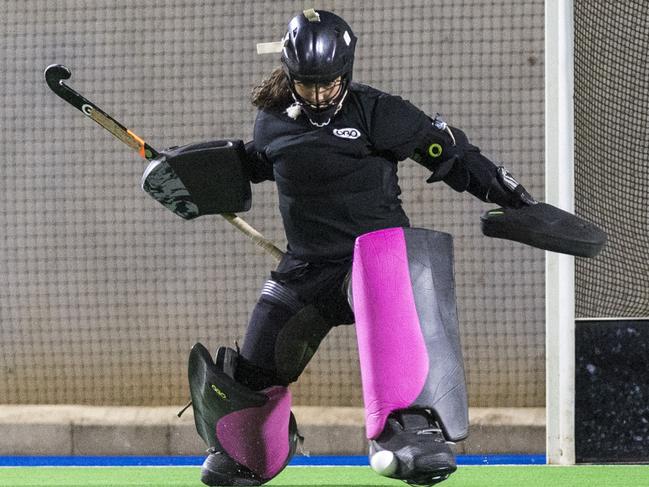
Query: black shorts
{"x": 321, "y": 285}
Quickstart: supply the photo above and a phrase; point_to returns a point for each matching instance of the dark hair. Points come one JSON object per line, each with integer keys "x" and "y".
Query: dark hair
{"x": 273, "y": 91}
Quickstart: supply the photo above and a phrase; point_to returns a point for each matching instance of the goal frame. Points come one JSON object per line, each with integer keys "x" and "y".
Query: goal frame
{"x": 559, "y": 269}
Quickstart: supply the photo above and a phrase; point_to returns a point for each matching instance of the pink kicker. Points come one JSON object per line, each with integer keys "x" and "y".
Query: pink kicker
{"x": 258, "y": 437}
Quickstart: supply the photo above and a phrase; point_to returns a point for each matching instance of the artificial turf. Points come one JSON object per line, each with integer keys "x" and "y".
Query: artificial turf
{"x": 466, "y": 476}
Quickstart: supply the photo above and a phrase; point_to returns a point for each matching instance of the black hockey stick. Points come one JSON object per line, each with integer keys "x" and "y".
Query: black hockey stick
{"x": 54, "y": 76}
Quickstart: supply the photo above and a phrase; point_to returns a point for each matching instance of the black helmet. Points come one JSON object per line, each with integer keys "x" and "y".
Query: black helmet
{"x": 318, "y": 49}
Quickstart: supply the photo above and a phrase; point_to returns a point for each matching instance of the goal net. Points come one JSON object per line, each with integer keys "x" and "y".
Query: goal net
{"x": 104, "y": 291}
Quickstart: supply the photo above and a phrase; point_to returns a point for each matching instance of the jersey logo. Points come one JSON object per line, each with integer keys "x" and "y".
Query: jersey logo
{"x": 348, "y": 133}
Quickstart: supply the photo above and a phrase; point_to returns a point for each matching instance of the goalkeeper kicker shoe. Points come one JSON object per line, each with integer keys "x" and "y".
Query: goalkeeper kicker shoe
{"x": 219, "y": 470}
{"x": 412, "y": 448}
{"x": 251, "y": 435}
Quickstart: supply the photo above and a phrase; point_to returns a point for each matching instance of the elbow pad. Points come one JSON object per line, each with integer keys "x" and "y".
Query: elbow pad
{"x": 441, "y": 149}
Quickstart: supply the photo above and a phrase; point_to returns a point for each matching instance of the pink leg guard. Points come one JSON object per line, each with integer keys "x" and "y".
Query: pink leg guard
{"x": 403, "y": 294}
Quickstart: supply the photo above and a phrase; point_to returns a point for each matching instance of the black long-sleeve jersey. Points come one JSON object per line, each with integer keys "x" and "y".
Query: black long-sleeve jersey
{"x": 340, "y": 181}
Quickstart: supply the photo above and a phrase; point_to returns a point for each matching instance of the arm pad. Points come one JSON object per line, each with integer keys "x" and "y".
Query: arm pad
{"x": 453, "y": 159}
{"x": 486, "y": 181}
{"x": 440, "y": 151}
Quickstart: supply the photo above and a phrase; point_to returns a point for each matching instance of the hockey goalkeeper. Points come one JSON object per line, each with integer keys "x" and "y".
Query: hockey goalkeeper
{"x": 332, "y": 147}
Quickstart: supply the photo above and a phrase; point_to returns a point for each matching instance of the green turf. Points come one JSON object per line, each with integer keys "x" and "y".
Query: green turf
{"x": 479, "y": 476}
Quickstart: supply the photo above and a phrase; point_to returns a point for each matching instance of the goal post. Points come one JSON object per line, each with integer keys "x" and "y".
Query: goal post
{"x": 597, "y": 165}
{"x": 559, "y": 269}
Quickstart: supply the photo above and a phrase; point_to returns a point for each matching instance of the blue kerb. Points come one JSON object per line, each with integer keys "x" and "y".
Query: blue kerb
{"x": 461, "y": 460}
{"x": 98, "y": 461}
{"x": 193, "y": 461}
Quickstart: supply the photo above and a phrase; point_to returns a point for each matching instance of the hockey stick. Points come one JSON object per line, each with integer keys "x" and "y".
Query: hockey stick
{"x": 54, "y": 76}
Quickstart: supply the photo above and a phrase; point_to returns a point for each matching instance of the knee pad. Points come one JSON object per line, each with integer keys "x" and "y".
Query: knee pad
{"x": 254, "y": 428}
{"x": 298, "y": 341}
{"x": 300, "y": 334}
{"x": 403, "y": 294}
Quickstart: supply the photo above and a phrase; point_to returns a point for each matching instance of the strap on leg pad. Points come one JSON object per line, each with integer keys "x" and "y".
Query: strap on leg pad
{"x": 257, "y": 378}
{"x": 256, "y": 429}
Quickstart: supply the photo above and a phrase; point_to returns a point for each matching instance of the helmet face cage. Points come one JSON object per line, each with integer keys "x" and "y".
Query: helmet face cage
{"x": 320, "y": 95}
{"x": 321, "y": 111}
{"x": 318, "y": 50}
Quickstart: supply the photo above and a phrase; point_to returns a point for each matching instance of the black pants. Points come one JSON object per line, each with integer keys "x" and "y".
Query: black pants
{"x": 320, "y": 286}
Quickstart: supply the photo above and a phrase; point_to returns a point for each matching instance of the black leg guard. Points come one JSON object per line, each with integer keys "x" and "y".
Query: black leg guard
{"x": 251, "y": 435}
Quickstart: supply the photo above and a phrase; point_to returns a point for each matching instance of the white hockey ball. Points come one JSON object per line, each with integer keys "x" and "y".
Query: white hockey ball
{"x": 384, "y": 463}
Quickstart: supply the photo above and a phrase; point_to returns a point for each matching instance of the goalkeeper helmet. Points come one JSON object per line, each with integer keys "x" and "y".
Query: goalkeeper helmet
{"x": 317, "y": 57}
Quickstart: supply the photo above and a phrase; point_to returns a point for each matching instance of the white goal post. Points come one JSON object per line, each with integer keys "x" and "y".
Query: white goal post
{"x": 559, "y": 269}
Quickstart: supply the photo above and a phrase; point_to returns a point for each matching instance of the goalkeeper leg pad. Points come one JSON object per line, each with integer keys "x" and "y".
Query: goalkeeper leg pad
{"x": 414, "y": 388}
{"x": 251, "y": 435}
